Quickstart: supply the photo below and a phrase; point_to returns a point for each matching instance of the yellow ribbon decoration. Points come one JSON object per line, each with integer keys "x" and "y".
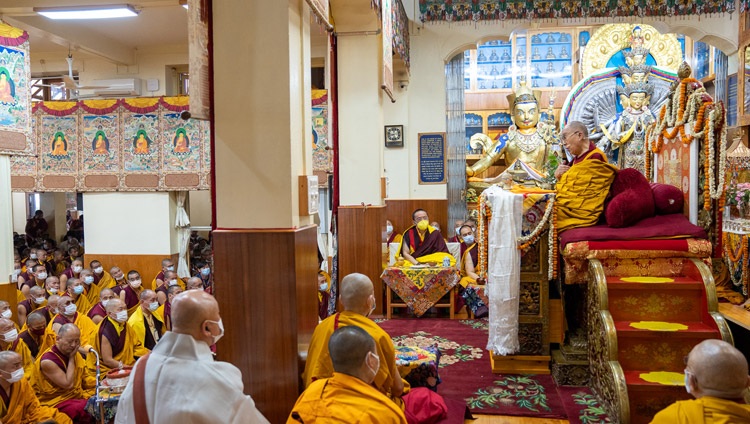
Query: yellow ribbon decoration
{"x": 658, "y": 326}
{"x": 666, "y": 378}
{"x": 645, "y": 279}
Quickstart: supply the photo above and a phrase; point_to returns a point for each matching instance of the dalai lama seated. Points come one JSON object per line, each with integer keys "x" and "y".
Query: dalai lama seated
{"x": 423, "y": 243}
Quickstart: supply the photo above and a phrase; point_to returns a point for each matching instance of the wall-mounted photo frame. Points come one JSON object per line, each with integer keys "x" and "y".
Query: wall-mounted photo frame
{"x": 394, "y": 136}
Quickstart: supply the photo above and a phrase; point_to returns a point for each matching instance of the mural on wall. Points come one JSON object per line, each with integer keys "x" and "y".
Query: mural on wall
{"x": 15, "y": 97}
{"x": 138, "y": 144}
{"x": 322, "y": 151}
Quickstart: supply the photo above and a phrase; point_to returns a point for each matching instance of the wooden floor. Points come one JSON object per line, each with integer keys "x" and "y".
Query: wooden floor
{"x": 501, "y": 419}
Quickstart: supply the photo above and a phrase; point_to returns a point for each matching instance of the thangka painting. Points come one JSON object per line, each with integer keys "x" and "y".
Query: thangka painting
{"x": 137, "y": 144}
{"x": 58, "y": 152}
{"x": 322, "y": 150}
{"x": 15, "y": 97}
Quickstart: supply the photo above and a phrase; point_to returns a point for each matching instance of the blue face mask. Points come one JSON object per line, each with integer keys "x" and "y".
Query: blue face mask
{"x": 206, "y": 272}
{"x": 469, "y": 239}
{"x": 78, "y": 289}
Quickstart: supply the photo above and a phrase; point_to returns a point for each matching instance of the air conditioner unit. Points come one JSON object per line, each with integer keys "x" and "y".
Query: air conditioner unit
{"x": 121, "y": 87}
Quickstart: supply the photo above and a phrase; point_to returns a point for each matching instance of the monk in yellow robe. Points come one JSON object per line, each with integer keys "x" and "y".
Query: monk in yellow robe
{"x": 33, "y": 335}
{"x": 423, "y": 243}
{"x": 9, "y": 342}
{"x": 102, "y": 278}
{"x": 583, "y": 186}
{"x": 68, "y": 314}
{"x": 20, "y": 404}
{"x": 60, "y": 378}
{"x": 348, "y": 394}
{"x": 90, "y": 289}
{"x": 77, "y": 291}
{"x": 358, "y": 299}
{"x": 146, "y": 321}
{"x": 131, "y": 293}
{"x": 716, "y": 375}
{"x": 115, "y": 340}
{"x": 469, "y": 256}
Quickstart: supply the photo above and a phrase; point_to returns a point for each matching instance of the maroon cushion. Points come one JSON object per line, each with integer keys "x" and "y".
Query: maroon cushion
{"x": 632, "y": 199}
{"x": 667, "y": 198}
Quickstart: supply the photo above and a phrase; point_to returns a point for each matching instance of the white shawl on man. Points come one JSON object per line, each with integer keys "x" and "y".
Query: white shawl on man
{"x": 185, "y": 385}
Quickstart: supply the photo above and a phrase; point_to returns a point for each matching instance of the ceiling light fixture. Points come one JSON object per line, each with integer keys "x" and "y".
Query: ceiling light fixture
{"x": 88, "y": 12}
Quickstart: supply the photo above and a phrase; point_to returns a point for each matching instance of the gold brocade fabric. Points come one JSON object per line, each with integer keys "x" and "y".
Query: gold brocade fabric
{"x": 420, "y": 288}
{"x": 656, "y": 263}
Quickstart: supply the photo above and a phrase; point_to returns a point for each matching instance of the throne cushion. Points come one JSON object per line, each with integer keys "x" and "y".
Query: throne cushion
{"x": 631, "y": 199}
{"x": 667, "y": 198}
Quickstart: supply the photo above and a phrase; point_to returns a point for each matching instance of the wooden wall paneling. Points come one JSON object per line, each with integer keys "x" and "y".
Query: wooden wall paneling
{"x": 9, "y": 293}
{"x": 265, "y": 283}
{"x": 360, "y": 243}
{"x": 399, "y": 212}
{"x": 147, "y": 265}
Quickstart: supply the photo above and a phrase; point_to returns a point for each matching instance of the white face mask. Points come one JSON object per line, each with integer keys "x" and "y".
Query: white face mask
{"x": 170, "y": 268}
{"x": 323, "y": 286}
{"x": 458, "y": 230}
{"x": 32, "y": 256}
{"x": 15, "y": 376}
{"x": 221, "y": 328}
{"x": 469, "y": 239}
{"x": 42, "y": 276}
{"x": 52, "y": 290}
{"x": 77, "y": 269}
{"x": 39, "y": 300}
{"x": 10, "y": 336}
{"x": 88, "y": 279}
{"x": 105, "y": 302}
{"x": 122, "y": 316}
{"x": 71, "y": 309}
{"x": 78, "y": 289}
{"x": 389, "y": 229}
{"x": 6, "y": 314}
{"x": 687, "y": 383}
{"x": 98, "y": 270}
{"x": 153, "y": 306}
{"x": 172, "y": 283}
{"x": 135, "y": 284}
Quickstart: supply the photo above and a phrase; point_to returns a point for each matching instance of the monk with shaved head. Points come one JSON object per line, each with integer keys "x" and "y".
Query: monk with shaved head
{"x": 22, "y": 404}
{"x": 358, "y": 298}
{"x": 60, "y": 378}
{"x": 115, "y": 340}
{"x": 33, "y": 335}
{"x": 35, "y": 301}
{"x": 348, "y": 395}
{"x": 717, "y": 376}
{"x": 181, "y": 367}
{"x": 68, "y": 314}
{"x": 9, "y": 342}
{"x": 147, "y": 322}
{"x": 99, "y": 311}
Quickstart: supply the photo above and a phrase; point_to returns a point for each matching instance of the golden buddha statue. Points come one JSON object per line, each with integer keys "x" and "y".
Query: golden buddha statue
{"x": 527, "y": 139}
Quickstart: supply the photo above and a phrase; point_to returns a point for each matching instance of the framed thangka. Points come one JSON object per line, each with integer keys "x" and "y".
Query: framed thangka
{"x": 322, "y": 151}
{"x": 100, "y": 145}
{"x": 181, "y": 150}
{"x": 134, "y": 144}
{"x": 58, "y": 150}
{"x": 140, "y": 144}
{"x": 15, "y": 97}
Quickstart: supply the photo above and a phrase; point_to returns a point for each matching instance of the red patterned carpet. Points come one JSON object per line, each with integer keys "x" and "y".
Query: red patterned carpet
{"x": 466, "y": 374}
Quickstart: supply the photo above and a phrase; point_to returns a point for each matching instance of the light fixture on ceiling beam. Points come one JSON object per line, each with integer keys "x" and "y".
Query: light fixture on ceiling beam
{"x": 88, "y": 12}
{"x": 184, "y": 3}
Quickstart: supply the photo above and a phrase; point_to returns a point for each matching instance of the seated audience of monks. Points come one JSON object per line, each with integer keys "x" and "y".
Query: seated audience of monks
{"x": 68, "y": 314}
{"x": 423, "y": 243}
{"x": 358, "y": 299}
{"x": 349, "y": 393}
{"x": 716, "y": 376}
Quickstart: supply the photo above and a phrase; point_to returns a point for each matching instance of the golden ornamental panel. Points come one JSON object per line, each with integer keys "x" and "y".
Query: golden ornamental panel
{"x": 611, "y": 38}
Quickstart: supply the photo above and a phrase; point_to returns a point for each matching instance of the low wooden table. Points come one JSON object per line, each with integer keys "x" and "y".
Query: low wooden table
{"x": 420, "y": 288}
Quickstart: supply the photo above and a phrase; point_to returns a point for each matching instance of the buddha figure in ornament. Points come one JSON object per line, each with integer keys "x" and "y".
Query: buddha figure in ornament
{"x": 527, "y": 140}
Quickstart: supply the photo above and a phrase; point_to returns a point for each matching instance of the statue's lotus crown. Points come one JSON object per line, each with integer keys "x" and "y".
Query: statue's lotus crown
{"x": 636, "y": 69}
{"x": 637, "y": 87}
{"x": 637, "y": 55}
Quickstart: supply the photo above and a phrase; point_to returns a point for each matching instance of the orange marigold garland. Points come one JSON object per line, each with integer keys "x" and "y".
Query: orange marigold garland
{"x": 735, "y": 250}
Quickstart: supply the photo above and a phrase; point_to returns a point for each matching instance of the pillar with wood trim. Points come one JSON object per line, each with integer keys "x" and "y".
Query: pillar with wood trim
{"x": 265, "y": 249}
{"x": 361, "y": 215}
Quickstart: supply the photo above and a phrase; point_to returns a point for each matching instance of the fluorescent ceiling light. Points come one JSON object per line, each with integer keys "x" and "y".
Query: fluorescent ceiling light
{"x": 87, "y": 12}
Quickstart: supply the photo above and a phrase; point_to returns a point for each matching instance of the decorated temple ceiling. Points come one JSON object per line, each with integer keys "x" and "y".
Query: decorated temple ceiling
{"x": 499, "y": 10}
